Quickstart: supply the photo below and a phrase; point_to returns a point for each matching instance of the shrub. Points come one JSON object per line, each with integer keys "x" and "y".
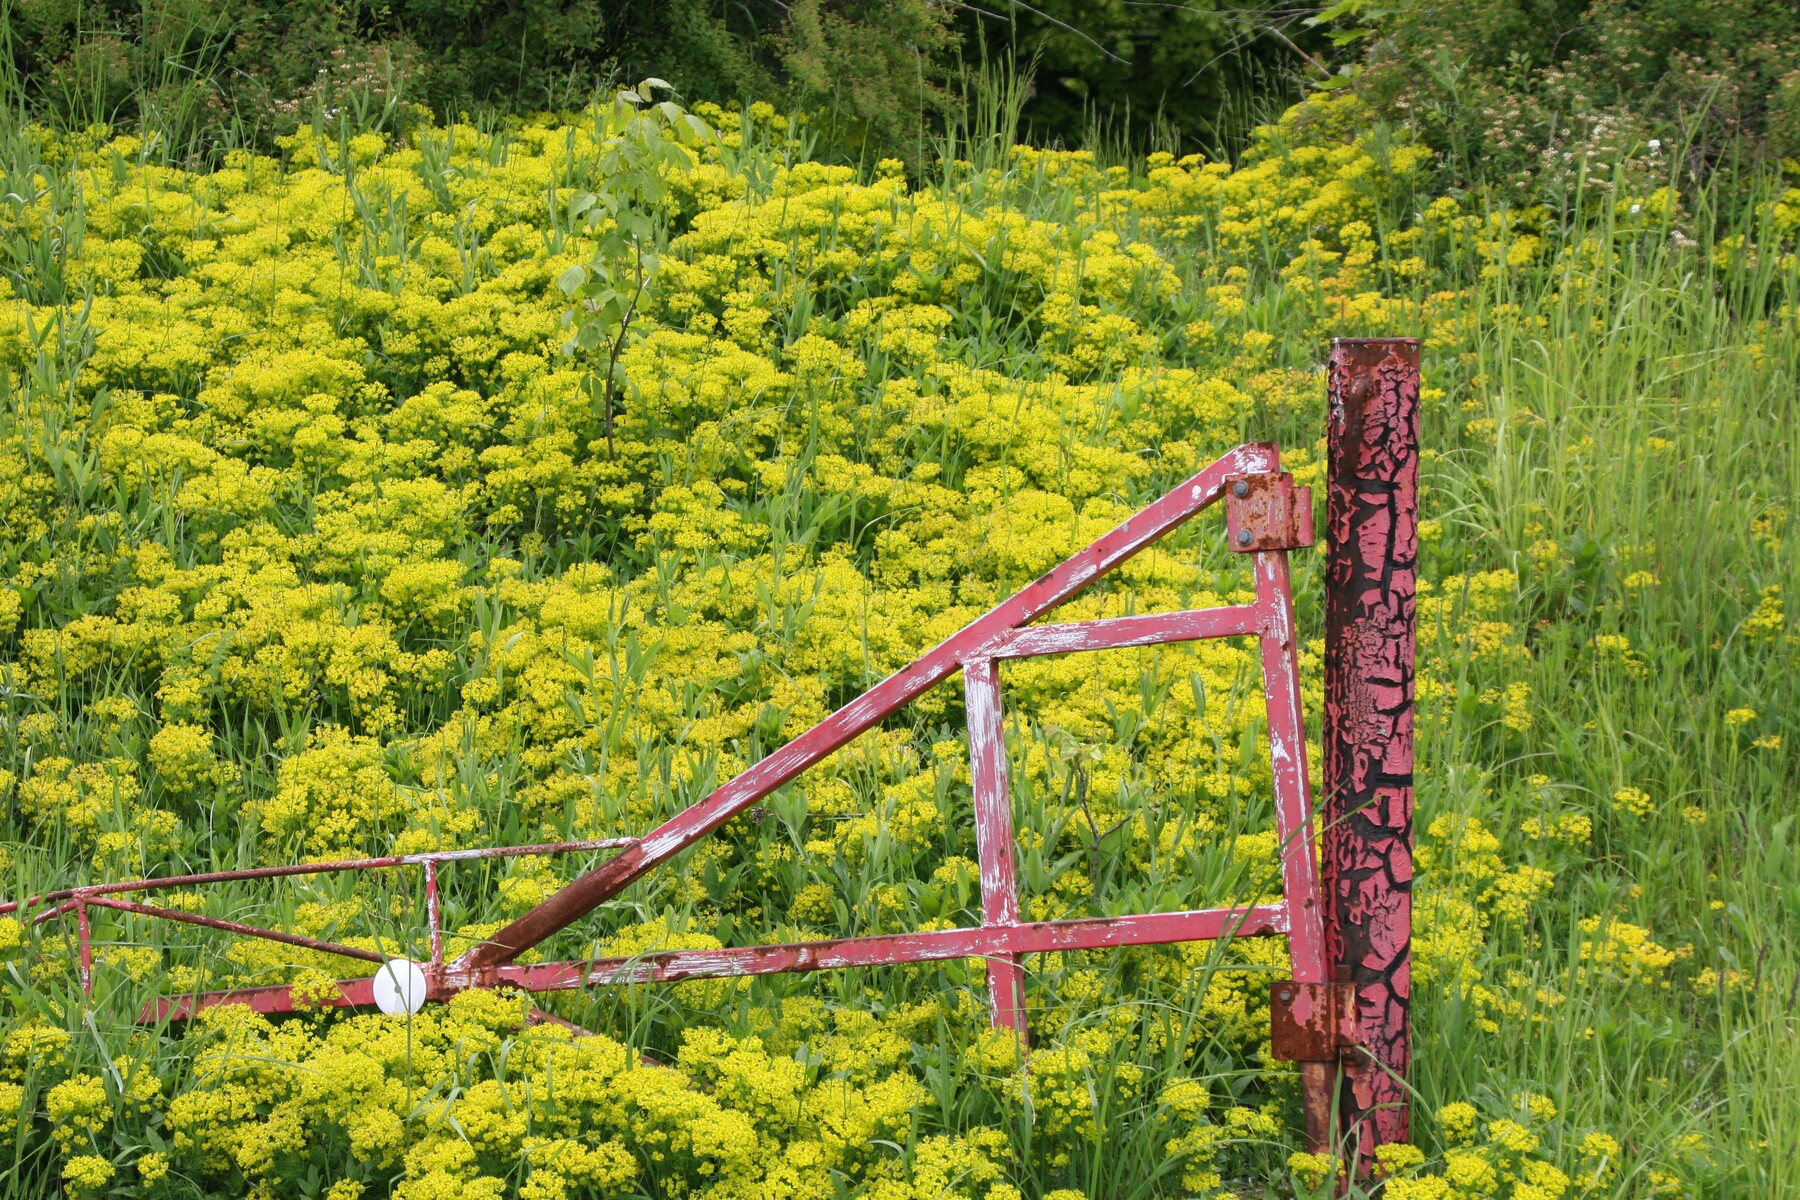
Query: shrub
{"x": 1532, "y": 98}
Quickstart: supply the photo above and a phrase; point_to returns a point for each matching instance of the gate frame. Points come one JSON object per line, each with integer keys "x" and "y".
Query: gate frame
{"x": 1344, "y": 1014}
{"x": 1266, "y": 517}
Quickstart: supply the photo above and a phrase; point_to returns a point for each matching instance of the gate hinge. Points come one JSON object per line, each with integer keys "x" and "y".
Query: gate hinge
{"x": 1311, "y": 1022}
{"x": 1267, "y": 512}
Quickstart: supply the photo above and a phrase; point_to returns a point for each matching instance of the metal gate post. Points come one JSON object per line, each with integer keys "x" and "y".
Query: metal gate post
{"x": 1367, "y": 803}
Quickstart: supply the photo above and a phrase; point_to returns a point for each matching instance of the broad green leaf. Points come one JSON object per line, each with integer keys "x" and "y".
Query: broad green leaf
{"x": 572, "y": 279}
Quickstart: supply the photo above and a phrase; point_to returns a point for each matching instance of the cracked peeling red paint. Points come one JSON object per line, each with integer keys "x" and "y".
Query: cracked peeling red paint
{"x": 1371, "y": 563}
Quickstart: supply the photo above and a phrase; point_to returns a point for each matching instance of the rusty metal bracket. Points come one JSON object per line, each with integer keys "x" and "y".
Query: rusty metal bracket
{"x": 1312, "y": 1022}
{"x": 1267, "y": 512}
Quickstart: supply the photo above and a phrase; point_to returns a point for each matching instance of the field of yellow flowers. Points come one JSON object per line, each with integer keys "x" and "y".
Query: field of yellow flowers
{"x": 314, "y": 542}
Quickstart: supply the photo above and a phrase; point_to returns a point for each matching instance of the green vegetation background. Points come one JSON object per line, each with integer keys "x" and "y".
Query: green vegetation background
{"x": 1615, "y": 435}
{"x": 1507, "y": 90}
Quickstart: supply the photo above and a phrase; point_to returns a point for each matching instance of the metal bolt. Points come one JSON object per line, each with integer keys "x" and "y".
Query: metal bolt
{"x": 1245, "y": 537}
{"x": 1241, "y": 488}
{"x": 1286, "y": 997}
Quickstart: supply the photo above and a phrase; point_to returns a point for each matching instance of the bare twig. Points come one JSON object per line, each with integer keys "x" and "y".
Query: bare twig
{"x": 612, "y": 359}
{"x": 1044, "y": 16}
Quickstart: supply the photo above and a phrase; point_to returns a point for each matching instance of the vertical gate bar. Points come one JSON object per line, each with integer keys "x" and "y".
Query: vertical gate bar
{"x": 84, "y": 936}
{"x": 1293, "y": 813}
{"x": 433, "y": 913}
{"x": 994, "y": 844}
{"x": 1287, "y": 761}
{"x": 1370, "y": 633}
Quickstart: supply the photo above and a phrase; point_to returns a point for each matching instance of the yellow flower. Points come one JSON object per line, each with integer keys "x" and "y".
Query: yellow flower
{"x": 12, "y": 1100}
{"x": 1512, "y": 1136}
{"x": 78, "y": 1109}
{"x": 1311, "y": 1169}
{"x": 1457, "y": 1120}
{"x": 153, "y": 1166}
{"x": 182, "y": 757}
{"x": 1396, "y": 1157}
{"x": 86, "y": 1174}
{"x": 1538, "y": 1108}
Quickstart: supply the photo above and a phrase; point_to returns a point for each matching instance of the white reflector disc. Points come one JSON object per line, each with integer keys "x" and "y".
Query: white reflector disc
{"x": 399, "y": 986}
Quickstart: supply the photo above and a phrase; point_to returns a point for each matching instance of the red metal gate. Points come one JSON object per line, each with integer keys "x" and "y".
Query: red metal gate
{"x": 1320, "y": 1016}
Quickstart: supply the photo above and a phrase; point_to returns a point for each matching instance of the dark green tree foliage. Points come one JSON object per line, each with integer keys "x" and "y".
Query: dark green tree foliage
{"x": 874, "y": 72}
{"x": 260, "y": 60}
{"x": 875, "y": 68}
{"x": 1531, "y": 95}
{"x": 1132, "y": 66}
{"x": 253, "y": 69}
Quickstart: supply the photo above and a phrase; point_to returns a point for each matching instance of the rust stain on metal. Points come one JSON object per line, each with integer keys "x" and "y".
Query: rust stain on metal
{"x": 1311, "y": 1022}
{"x": 1266, "y": 511}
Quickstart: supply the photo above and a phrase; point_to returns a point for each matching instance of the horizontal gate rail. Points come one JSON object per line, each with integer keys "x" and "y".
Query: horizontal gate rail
{"x": 78, "y": 899}
{"x": 313, "y": 868}
{"x": 1117, "y": 633}
{"x": 937, "y": 945}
